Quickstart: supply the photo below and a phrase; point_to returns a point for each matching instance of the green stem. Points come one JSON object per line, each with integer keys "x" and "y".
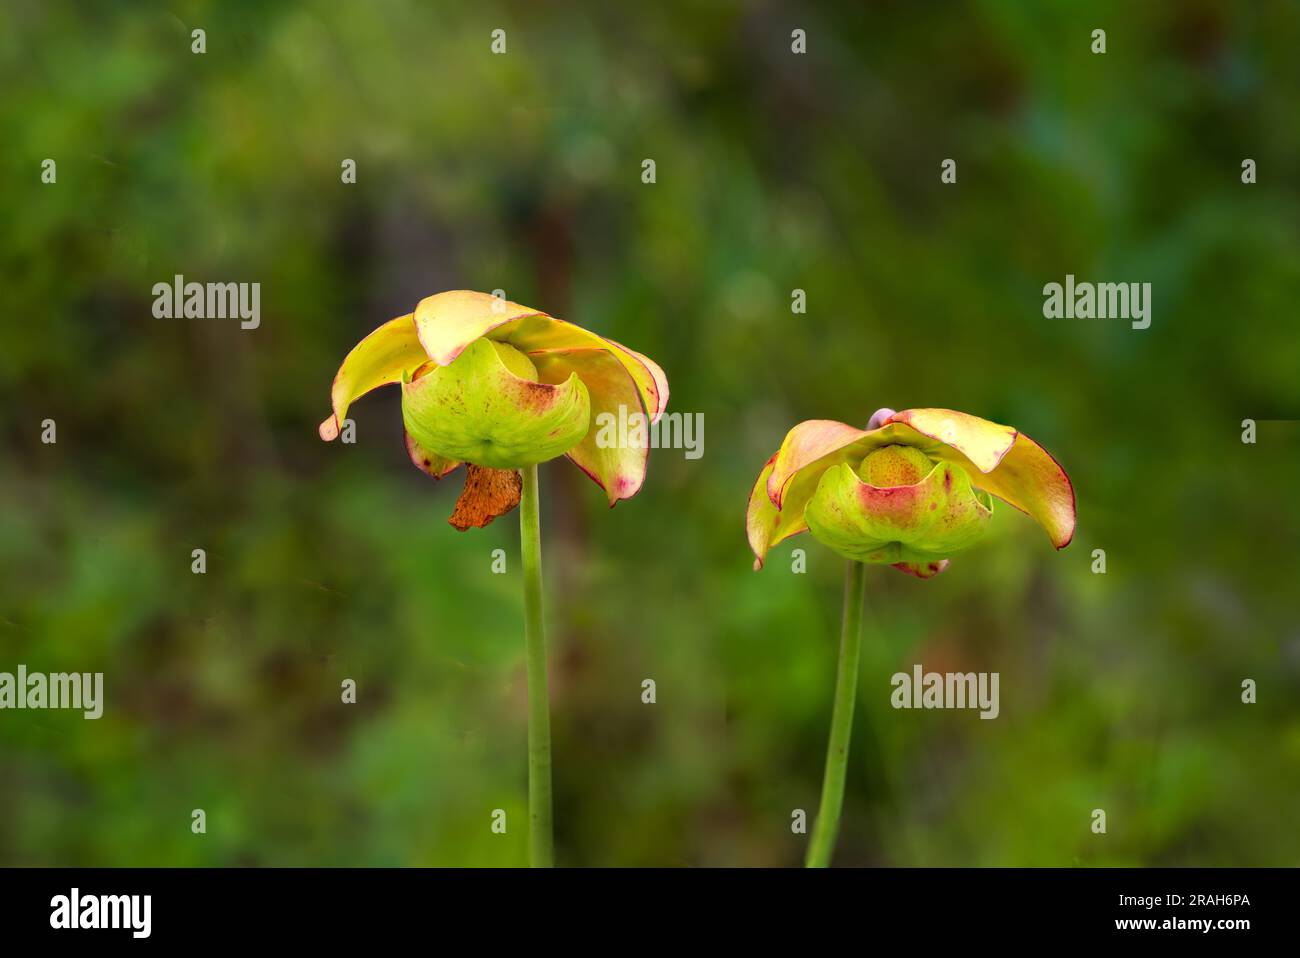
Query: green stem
{"x": 827, "y": 826}
{"x": 541, "y": 852}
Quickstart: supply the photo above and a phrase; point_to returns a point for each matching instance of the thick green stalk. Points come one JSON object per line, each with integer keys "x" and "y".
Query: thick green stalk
{"x": 827, "y": 826}
{"x": 541, "y": 852}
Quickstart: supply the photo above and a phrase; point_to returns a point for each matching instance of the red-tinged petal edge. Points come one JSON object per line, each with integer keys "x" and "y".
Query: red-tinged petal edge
{"x": 922, "y": 570}
{"x": 429, "y": 462}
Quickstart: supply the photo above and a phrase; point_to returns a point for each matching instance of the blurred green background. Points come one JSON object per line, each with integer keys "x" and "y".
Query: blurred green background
{"x": 522, "y": 171}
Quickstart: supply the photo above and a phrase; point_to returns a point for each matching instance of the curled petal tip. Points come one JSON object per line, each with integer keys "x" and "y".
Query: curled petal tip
{"x": 429, "y": 462}
{"x": 879, "y": 417}
{"x": 384, "y": 357}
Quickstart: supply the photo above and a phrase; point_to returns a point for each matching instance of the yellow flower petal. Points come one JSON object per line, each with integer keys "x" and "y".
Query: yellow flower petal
{"x": 982, "y": 442}
{"x": 660, "y": 392}
{"x": 448, "y": 322}
{"x": 618, "y": 469}
{"x": 1034, "y": 482}
{"x": 765, "y": 524}
{"x": 814, "y": 442}
{"x": 382, "y": 358}
{"x": 1015, "y": 468}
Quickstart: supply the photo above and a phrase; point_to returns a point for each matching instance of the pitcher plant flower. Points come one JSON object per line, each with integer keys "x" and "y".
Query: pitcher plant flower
{"x": 499, "y": 387}
{"x": 912, "y": 489}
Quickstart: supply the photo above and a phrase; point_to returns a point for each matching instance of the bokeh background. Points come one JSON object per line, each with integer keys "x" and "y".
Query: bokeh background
{"x": 522, "y": 172}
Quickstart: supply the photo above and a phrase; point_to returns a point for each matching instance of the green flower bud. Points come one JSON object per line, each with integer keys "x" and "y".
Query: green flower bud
{"x": 911, "y": 489}
{"x": 889, "y": 519}
{"x": 487, "y": 407}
